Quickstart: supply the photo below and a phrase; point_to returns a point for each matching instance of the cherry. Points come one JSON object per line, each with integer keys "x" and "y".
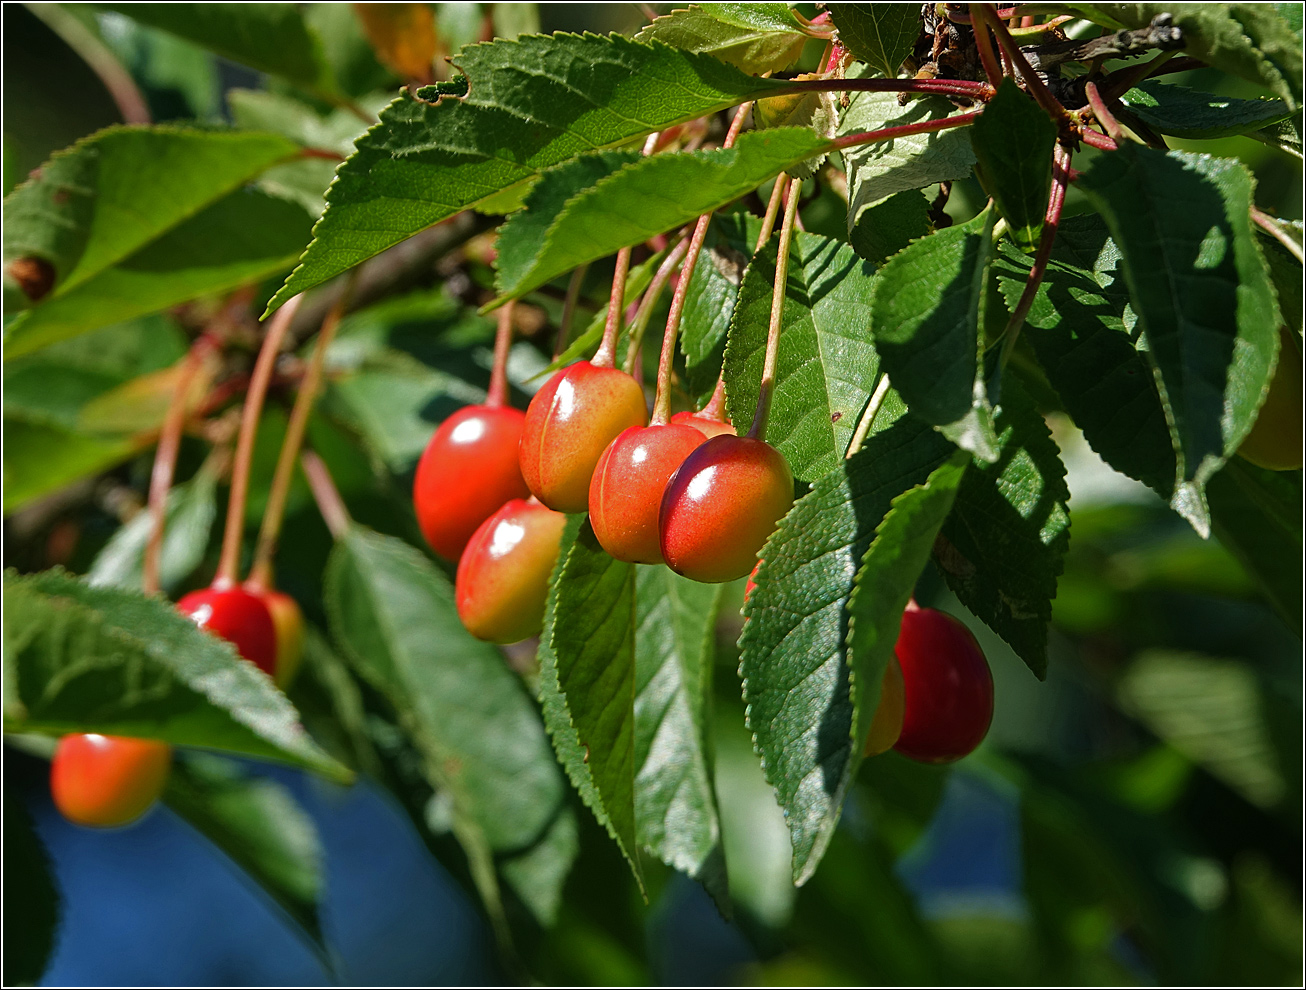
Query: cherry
{"x": 886, "y": 723}
{"x": 721, "y": 505}
{"x": 1275, "y": 440}
{"x": 570, "y": 421}
{"x": 947, "y": 687}
{"x": 467, "y": 471}
{"x": 503, "y": 576}
{"x": 752, "y": 581}
{"x": 105, "y": 781}
{"x": 237, "y": 616}
{"x": 708, "y": 427}
{"x": 626, "y": 490}
{"x": 288, "y": 623}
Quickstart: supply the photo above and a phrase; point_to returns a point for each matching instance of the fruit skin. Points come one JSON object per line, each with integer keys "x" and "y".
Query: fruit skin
{"x": 626, "y": 490}
{"x": 288, "y": 622}
{"x": 469, "y": 469}
{"x": 107, "y": 781}
{"x": 570, "y": 421}
{"x": 708, "y": 427}
{"x": 886, "y": 723}
{"x": 1275, "y": 440}
{"x": 721, "y": 505}
{"x": 238, "y": 617}
{"x": 503, "y": 576}
{"x": 947, "y": 687}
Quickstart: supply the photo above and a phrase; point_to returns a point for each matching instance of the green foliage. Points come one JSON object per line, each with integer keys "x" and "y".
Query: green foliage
{"x": 1187, "y": 113}
{"x": 1013, "y": 141}
{"x": 30, "y": 892}
{"x": 734, "y": 33}
{"x": 880, "y": 34}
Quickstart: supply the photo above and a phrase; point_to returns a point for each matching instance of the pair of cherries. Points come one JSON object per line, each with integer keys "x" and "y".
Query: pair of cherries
{"x": 108, "y": 781}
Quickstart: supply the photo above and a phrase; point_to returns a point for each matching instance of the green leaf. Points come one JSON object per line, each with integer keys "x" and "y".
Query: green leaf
{"x": 881, "y": 231}
{"x": 1256, "y": 514}
{"x": 827, "y": 365}
{"x": 539, "y": 874}
{"x": 270, "y": 37}
{"x": 238, "y": 239}
{"x": 756, "y": 49}
{"x": 83, "y": 659}
{"x": 1285, "y": 135}
{"x": 927, "y": 315}
{"x": 876, "y": 171}
{"x": 675, "y": 800}
{"x": 644, "y": 197}
{"x": 188, "y": 520}
{"x": 1188, "y": 113}
{"x": 518, "y": 110}
{"x": 880, "y": 34}
{"x": 42, "y": 457}
{"x": 794, "y": 661}
{"x": 1202, "y": 293}
{"x": 710, "y": 302}
{"x": 30, "y": 892}
{"x": 1001, "y": 549}
{"x": 760, "y": 16}
{"x": 259, "y": 825}
{"x": 1013, "y": 141}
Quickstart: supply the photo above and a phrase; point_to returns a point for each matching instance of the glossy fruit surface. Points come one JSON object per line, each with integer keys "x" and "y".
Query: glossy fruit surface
{"x": 947, "y": 687}
{"x": 721, "y": 505}
{"x": 467, "y": 471}
{"x": 886, "y": 723}
{"x": 288, "y": 621}
{"x": 626, "y": 490}
{"x": 1275, "y": 441}
{"x": 503, "y": 576}
{"x": 238, "y": 617}
{"x": 105, "y": 781}
{"x": 708, "y": 427}
{"x": 569, "y": 423}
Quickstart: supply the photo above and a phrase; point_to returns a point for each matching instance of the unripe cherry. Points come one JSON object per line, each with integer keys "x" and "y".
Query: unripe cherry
{"x": 886, "y": 723}
{"x": 626, "y": 490}
{"x": 107, "y": 781}
{"x": 503, "y": 576}
{"x": 721, "y": 505}
{"x": 469, "y": 469}
{"x": 706, "y": 425}
{"x": 237, "y": 616}
{"x": 570, "y": 421}
{"x": 288, "y": 621}
{"x": 947, "y": 687}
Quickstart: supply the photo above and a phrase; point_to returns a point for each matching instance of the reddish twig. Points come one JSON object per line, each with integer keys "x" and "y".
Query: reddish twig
{"x": 1095, "y": 140}
{"x": 1103, "y": 113}
{"x": 1037, "y": 88}
{"x": 984, "y": 45}
{"x": 889, "y": 133}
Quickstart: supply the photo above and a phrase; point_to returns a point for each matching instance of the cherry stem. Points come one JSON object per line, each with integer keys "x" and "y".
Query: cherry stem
{"x": 569, "y": 308}
{"x": 1268, "y": 224}
{"x": 260, "y": 574}
{"x": 984, "y": 44}
{"x": 1095, "y": 140}
{"x": 763, "y": 413}
{"x": 165, "y": 458}
{"x": 969, "y": 88}
{"x": 1103, "y": 113}
{"x": 605, "y": 356}
{"x": 1056, "y": 200}
{"x": 1036, "y": 86}
{"x": 890, "y": 133}
{"x": 662, "y": 397}
{"x": 497, "y": 394}
{"x": 325, "y": 493}
{"x": 229, "y": 561}
{"x": 651, "y": 295}
{"x": 772, "y": 211}
{"x": 868, "y": 416}
{"x": 716, "y": 406}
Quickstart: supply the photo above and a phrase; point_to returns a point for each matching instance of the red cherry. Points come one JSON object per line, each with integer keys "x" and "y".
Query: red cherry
{"x": 721, "y": 505}
{"x": 288, "y": 622}
{"x": 752, "y": 581}
{"x": 570, "y": 421}
{"x": 626, "y": 490}
{"x": 467, "y": 471}
{"x": 947, "y": 687}
{"x": 503, "y": 576}
{"x": 708, "y": 427}
{"x": 238, "y": 617}
{"x": 104, "y": 781}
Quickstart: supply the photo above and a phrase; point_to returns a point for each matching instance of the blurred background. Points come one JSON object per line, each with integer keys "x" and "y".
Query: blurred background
{"x": 1134, "y": 819}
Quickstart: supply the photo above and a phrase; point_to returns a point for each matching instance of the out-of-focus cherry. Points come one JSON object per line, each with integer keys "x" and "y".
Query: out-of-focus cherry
{"x": 106, "y": 781}
{"x": 241, "y": 618}
{"x": 947, "y": 687}
{"x": 288, "y": 621}
{"x": 886, "y": 723}
{"x": 503, "y": 576}
{"x": 721, "y": 505}
{"x": 626, "y": 490}
{"x": 705, "y": 425}
{"x": 469, "y": 469}
{"x": 570, "y": 421}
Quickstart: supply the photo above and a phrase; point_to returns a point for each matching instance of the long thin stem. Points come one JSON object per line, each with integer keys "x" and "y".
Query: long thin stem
{"x": 890, "y": 133}
{"x": 772, "y": 211}
{"x": 1036, "y": 85}
{"x": 716, "y": 406}
{"x": 763, "y": 413}
{"x": 99, "y": 58}
{"x": 868, "y": 417}
{"x": 1051, "y": 219}
{"x": 968, "y": 88}
{"x": 569, "y": 309}
{"x": 325, "y": 493}
{"x": 273, "y": 516}
{"x": 229, "y": 561}
{"x": 1267, "y": 224}
{"x": 1103, "y": 113}
{"x": 984, "y": 45}
{"x": 497, "y": 394}
{"x": 651, "y": 296}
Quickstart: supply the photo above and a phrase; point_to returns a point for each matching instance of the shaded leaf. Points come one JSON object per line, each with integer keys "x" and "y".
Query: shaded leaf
{"x": 710, "y": 302}
{"x": 30, "y": 892}
{"x": 539, "y": 874}
{"x": 1188, "y": 113}
{"x": 879, "y": 232}
{"x": 880, "y": 34}
{"x": 754, "y": 48}
{"x": 1013, "y": 141}
{"x": 42, "y": 457}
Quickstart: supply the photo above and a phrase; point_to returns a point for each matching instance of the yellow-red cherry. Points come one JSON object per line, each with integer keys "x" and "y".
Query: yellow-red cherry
{"x": 947, "y": 687}
{"x": 469, "y": 469}
{"x": 704, "y": 424}
{"x": 503, "y": 576}
{"x": 627, "y": 486}
{"x": 721, "y": 505}
{"x": 288, "y": 622}
{"x": 569, "y": 422}
{"x": 886, "y": 723}
{"x": 237, "y": 616}
{"x": 107, "y": 781}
